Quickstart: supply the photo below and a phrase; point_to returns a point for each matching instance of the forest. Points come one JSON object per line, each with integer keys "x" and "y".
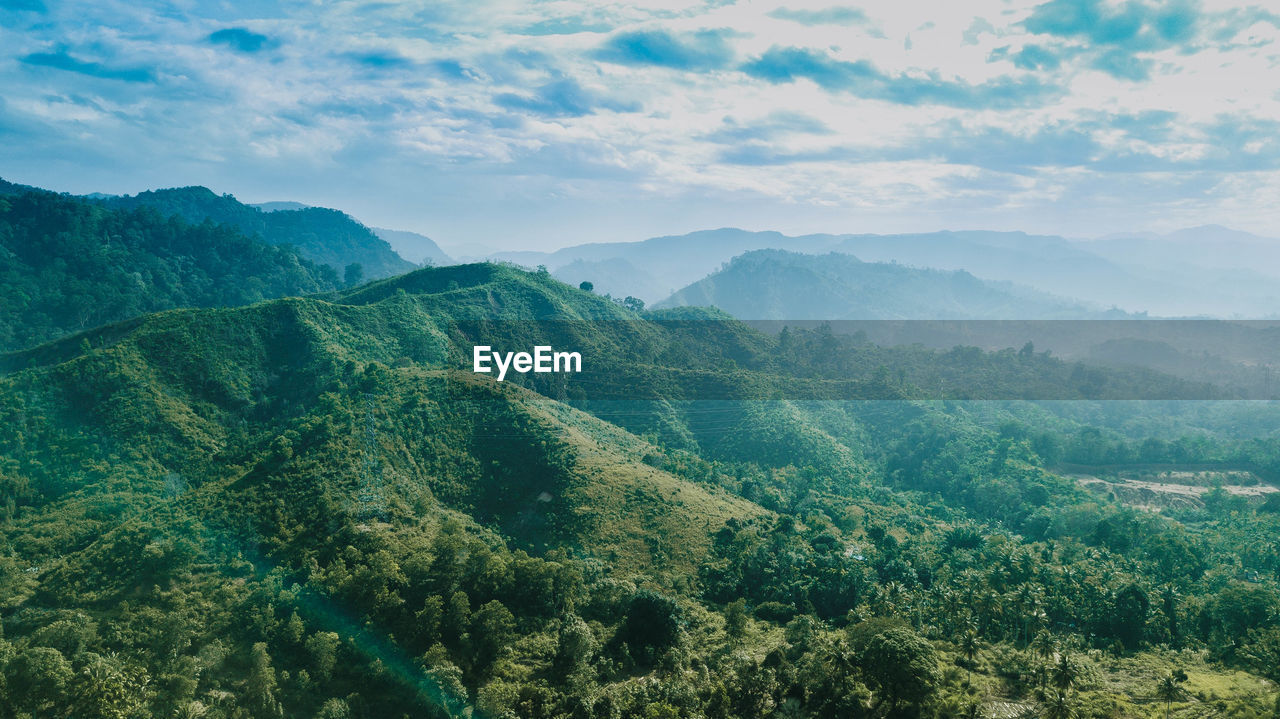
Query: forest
{"x": 67, "y": 264}
{"x": 311, "y": 507}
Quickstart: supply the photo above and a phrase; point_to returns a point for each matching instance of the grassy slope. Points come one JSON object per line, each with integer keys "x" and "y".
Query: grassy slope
{"x": 157, "y": 396}
{"x": 261, "y": 413}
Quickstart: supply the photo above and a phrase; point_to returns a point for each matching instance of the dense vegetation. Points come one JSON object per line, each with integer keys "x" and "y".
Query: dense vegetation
{"x": 324, "y": 236}
{"x": 67, "y": 265}
{"x": 306, "y": 508}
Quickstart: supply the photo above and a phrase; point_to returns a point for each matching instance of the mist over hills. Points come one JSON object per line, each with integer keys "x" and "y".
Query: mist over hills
{"x": 1142, "y": 275}
{"x": 1233, "y": 271}
{"x": 414, "y": 247}
{"x": 779, "y": 285}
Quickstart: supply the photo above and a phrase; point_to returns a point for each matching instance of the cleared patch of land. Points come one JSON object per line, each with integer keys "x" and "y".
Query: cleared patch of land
{"x": 1173, "y": 488}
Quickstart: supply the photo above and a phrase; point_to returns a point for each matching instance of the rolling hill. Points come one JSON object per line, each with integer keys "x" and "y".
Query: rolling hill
{"x": 1168, "y": 276}
{"x": 68, "y": 264}
{"x": 778, "y": 285}
{"x": 311, "y": 507}
{"x": 324, "y": 236}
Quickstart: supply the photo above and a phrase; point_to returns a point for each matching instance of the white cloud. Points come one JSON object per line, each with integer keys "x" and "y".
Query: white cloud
{"x": 360, "y": 105}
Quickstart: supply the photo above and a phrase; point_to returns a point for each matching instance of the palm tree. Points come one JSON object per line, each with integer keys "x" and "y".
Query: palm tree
{"x": 969, "y": 646}
{"x": 1066, "y": 673}
{"x": 1043, "y": 646}
{"x": 1059, "y": 707}
{"x": 1170, "y": 689}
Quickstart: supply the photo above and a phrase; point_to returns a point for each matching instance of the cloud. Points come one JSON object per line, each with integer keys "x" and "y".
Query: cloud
{"x": 241, "y": 39}
{"x": 1089, "y": 19}
{"x": 838, "y": 15}
{"x": 1123, "y": 65}
{"x": 1058, "y": 146}
{"x": 703, "y": 50}
{"x": 775, "y": 125}
{"x": 1229, "y": 144}
{"x": 760, "y": 154}
{"x": 976, "y": 30}
{"x": 1036, "y": 57}
{"x": 1111, "y": 35}
{"x": 1103, "y": 144}
{"x": 564, "y": 26}
{"x": 788, "y": 64}
{"x": 62, "y": 60}
{"x": 562, "y": 98}
{"x": 1004, "y": 102}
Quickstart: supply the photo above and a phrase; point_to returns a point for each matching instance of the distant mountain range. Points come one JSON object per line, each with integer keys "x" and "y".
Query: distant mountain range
{"x": 1162, "y": 276}
{"x": 778, "y": 285}
{"x": 414, "y": 247}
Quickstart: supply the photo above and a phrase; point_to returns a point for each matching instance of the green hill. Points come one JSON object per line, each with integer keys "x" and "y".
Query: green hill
{"x": 312, "y": 507}
{"x": 778, "y": 285}
{"x": 68, "y": 264}
{"x": 324, "y": 236}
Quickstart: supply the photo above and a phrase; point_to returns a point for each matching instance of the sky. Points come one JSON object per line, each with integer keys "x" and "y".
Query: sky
{"x": 535, "y": 125}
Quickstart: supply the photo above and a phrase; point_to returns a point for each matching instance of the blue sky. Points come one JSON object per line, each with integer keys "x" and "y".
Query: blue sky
{"x": 540, "y": 124}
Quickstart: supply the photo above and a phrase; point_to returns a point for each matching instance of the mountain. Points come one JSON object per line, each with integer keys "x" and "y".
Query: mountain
{"x": 312, "y": 507}
{"x": 615, "y": 275}
{"x": 1207, "y": 246}
{"x": 324, "y": 236}
{"x": 1133, "y": 275}
{"x": 1049, "y": 264}
{"x": 414, "y": 247}
{"x": 662, "y": 264}
{"x": 778, "y": 285}
{"x": 1223, "y": 272}
{"x": 277, "y": 206}
{"x": 68, "y": 264}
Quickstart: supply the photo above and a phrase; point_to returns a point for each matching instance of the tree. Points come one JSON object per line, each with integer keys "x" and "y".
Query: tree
{"x": 492, "y": 627}
{"x": 1059, "y": 706}
{"x": 1132, "y": 606}
{"x": 426, "y": 623}
{"x": 323, "y": 647}
{"x": 1066, "y": 673}
{"x": 261, "y": 685}
{"x": 969, "y": 646}
{"x": 586, "y": 286}
{"x": 735, "y": 618}
{"x": 653, "y": 622}
{"x": 1170, "y": 689}
{"x": 353, "y": 274}
{"x": 899, "y": 663}
{"x": 1044, "y": 646}
{"x": 635, "y": 304}
{"x": 102, "y": 690}
{"x": 38, "y": 677}
{"x": 334, "y": 708}
{"x": 457, "y": 617}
